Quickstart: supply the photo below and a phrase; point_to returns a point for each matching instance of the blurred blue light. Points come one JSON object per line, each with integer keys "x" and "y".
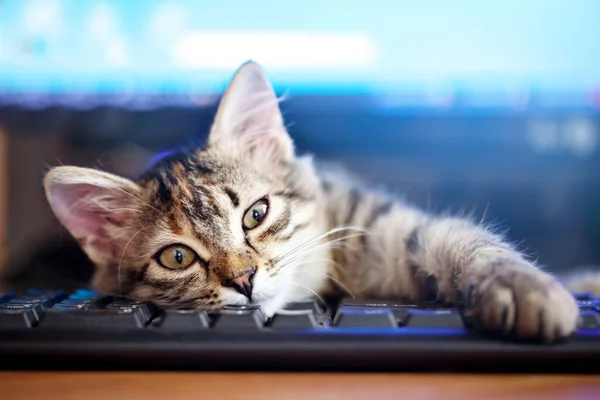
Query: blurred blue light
{"x": 463, "y": 53}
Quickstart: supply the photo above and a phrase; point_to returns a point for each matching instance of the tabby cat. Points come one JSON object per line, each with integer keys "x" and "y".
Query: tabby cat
{"x": 244, "y": 220}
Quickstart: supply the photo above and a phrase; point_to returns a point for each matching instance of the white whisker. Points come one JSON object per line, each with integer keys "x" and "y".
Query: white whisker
{"x": 316, "y": 246}
{"x": 124, "y": 209}
{"x": 296, "y": 271}
{"x": 295, "y": 255}
{"x": 312, "y": 291}
{"x": 337, "y": 281}
{"x": 324, "y": 235}
{"x": 123, "y": 254}
{"x": 484, "y": 213}
{"x": 138, "y": 199}
{"x": 326, "y": 260}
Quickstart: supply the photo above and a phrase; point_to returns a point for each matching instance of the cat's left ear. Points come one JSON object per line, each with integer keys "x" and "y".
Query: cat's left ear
{"x": 96, "y": 207}
{"x": 249, "y": 118}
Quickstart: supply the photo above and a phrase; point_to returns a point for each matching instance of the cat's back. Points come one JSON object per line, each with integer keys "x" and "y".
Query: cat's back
{"x": 350, "y": 201}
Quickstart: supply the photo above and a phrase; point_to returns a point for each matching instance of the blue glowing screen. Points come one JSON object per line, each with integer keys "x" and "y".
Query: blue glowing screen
{"x": 427, "y": 50}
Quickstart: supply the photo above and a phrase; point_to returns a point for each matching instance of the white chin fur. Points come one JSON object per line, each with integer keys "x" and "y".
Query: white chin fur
{"x": 293, "y": 283}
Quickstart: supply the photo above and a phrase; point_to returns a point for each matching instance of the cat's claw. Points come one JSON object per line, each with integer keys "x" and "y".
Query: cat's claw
{"x": 525, "y": 303}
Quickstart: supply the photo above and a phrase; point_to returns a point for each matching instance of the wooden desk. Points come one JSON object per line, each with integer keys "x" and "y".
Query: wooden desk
{"x": 250, "y": 386}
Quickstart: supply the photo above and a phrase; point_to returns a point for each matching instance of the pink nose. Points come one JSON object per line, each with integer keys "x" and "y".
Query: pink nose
{"x": 243, "y": 280}
{"x": 242, "y": 283}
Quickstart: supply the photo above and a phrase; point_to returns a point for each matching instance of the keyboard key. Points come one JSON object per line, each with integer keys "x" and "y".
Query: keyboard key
{"x": 129, "y": 305}
{"x": 589, "y": 320}
{"x": 294, "y": 319}
{"x": 241, "y": 308}
{"x": 20, "y": 315}
{"x": 83, "y": 302}
{"x": 370, "y": 303}
{"x": 78, "y": 317}
{"x": 401, "y": 315}
{"x": 43, "y": 303}
{"x": 364, "y": 317}
{"x": 306, "y": 305}
{"x": 395, "y": 304}
{"x": 239, "y": 319}
{"x": 73, "y": 306}
{"x": 35, "y": 307}
{"x": 184, "y": 320}
{"x": 435, "y": 319}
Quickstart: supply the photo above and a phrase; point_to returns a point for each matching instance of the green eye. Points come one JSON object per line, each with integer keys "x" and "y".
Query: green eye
{"x": 177, "y": 256}
{"x": 255, "y": 214}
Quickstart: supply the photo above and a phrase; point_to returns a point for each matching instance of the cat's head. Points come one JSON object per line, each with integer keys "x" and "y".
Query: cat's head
{"x": 222, "y": 224}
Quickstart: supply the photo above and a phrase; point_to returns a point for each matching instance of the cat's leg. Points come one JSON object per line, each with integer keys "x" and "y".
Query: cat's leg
{"x": 459, "y": 261}
{"x": 409, "y": 253}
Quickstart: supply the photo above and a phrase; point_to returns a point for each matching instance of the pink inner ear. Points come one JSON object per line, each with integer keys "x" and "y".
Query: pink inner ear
{"x": 89, "y": 212}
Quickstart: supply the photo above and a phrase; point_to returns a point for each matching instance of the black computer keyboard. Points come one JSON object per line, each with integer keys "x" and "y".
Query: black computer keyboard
{"x": 85, "y": 330}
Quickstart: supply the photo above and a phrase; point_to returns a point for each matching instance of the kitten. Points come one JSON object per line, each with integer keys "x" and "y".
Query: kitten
{"x": 243, "y": 220}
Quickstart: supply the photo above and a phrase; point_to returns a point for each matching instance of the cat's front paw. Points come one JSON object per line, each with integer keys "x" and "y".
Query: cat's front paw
{"x": 522, "y": 301}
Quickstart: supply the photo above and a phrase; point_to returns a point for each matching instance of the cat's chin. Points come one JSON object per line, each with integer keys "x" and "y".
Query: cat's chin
{"x": 270, "y": 308}
{"x": 273, "y": 304}
{"x": 269, "y": 305}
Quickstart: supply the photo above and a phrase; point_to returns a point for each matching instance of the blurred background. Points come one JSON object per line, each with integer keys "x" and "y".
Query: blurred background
{"x": 490, "y": 108}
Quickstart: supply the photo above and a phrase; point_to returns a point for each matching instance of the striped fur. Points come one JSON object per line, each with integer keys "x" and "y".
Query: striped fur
{"x": 323, "y": 234}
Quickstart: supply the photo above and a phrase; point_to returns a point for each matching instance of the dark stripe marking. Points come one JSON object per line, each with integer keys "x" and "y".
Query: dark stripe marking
{"x": 377, "y": 212}
{"x": 170, "y": 285}
{"x": 214, "y": 204}
{"x": 142, "y": 272}
{"x": 235, "y": 200}
{"x": 164, "y": 192}
{"x": 278, "y": 225}
{"x": 247, "y": 240}
{"x": 200, "y": 209}
{"x": 132, "y": 277}
{"x": 427, "y": 284}
{"x": 293, "y": 195}
{"x": 203, "y": 169}
{"x": 295, "y": 230}
{"x": 160, "y": 285}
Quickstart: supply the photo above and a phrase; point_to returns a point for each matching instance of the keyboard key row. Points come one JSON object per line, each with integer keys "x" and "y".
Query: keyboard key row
{"x": 184, "y": 320}
{"x": 127, "y": 316}
{"x": 353, "y": 317}
{"x": 86, "y": 309}
{"x": 19, "y": 315}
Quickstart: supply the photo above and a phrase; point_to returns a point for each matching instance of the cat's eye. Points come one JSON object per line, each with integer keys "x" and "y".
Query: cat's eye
{"x": 255, "y": 214}
{"x": 177, "y": 256}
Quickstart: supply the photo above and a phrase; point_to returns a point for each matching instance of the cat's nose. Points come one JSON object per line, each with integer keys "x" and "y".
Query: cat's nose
{"x": 243, "y": 282}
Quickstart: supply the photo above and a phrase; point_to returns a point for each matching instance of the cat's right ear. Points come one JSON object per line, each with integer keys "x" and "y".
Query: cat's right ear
{"x": 249, "y": 120}
{"x": 95, "y": 207}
